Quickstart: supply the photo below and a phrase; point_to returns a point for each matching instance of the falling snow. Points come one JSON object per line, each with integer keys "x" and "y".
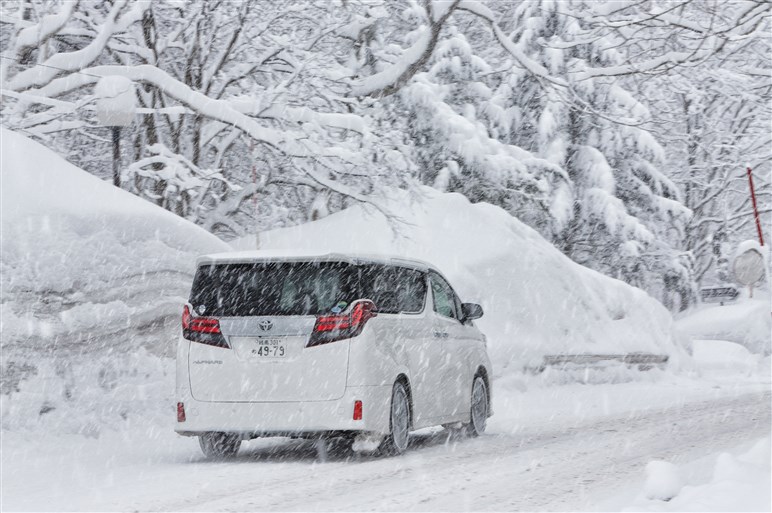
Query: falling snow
{"x": 385, "y": 256}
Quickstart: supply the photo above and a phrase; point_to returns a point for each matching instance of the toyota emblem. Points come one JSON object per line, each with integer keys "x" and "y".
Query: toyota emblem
{"x": 265, "y": 325}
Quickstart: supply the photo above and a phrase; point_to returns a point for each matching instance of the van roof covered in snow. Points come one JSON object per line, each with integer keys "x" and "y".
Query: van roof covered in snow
{"x": 243, "y": 257}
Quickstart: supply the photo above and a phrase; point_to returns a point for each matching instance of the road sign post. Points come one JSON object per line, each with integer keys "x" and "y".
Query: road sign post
{"x": 755, "y": 207}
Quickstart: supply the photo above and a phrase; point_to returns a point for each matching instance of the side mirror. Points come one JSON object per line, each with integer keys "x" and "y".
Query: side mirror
{"x": 471, "y": 311}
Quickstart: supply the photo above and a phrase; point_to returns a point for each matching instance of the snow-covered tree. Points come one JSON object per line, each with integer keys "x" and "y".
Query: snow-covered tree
{"x": 230, "y": 94}
{"x": 566, "y": 154}
{"x": 715, "y": 119}
{"x": 617, "y": 210}
{"x": 593, "y": 121}
{"x": 458, "y": 127}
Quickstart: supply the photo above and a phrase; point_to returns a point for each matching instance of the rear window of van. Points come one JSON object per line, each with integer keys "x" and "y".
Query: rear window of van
{"x": 303, "y": 288}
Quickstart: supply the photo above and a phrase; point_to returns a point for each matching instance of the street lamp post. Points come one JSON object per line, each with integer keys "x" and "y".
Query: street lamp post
{"x": 116, "y": 132}
{"x": 116, "y": 108}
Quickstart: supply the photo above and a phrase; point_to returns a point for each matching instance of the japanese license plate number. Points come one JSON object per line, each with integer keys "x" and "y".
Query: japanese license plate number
{"x": 268, "y": 348}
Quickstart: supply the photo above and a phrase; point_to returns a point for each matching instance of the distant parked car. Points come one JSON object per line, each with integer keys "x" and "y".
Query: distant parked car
{"x": 327, "y": 346}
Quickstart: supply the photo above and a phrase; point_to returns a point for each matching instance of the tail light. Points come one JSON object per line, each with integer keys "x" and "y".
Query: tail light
{"x": 180, "y": 412}
{"x": 357, "y": 410}
{"x": 205, "y": 330}
{"x": 331, "y": 328}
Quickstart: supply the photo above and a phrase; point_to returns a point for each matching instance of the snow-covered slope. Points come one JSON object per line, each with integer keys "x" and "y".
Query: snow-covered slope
{"x": 85, "y": 265}
{"x": 746, "y": 322}
{"x": 536, "y": 300}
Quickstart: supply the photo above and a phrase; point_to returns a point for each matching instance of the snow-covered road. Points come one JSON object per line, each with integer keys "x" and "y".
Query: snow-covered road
{"x": 564, "y": 464}
{"x": 562, "y": 468}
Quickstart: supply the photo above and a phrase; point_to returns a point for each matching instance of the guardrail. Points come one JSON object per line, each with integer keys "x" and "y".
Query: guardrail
{"x": 644, "y": 361}
{"x": 719, "y": 294}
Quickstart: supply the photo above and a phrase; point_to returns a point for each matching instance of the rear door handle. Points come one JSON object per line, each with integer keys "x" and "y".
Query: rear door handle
{"x": 440, "y": 334}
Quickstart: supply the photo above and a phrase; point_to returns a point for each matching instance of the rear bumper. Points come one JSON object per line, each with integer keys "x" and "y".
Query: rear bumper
{"x": 304, "y": 417}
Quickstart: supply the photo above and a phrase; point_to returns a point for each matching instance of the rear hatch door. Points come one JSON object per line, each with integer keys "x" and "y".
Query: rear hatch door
{"x": 267, "y": 312}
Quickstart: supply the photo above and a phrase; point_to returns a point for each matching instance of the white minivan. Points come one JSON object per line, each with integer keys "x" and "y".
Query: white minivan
{"x": 364, "y": 348}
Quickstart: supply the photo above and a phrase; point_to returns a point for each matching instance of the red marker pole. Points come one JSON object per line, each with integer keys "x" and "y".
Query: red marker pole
{"x": 755, "y": 208}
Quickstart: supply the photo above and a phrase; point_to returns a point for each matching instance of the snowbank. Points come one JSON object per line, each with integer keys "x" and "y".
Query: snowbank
{"x": 739, "y": 483}
{"x": 536, "y": 300}
{"x": 93, "y": 279}
{"x": 747, "y": 322}
{"x": 85, "y": 267}
{"x": 721, "y": 358}
{"x": 92, "y": 395}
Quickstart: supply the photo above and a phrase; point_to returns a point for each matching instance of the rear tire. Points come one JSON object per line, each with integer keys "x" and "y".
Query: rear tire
{"x": 219, "y": 445}
{"x": 399, "y": 422}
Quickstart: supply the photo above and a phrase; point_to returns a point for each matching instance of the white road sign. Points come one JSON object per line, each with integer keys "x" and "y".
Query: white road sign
{"x": 748, "y": 266}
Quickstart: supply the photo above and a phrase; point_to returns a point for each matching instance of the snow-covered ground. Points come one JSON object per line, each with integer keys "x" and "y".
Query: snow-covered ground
{"x": 549, "y": 446}
{"x": 93, "y": 281}
{"x": 734, "y": 480}
{"x": 747, "y": 322}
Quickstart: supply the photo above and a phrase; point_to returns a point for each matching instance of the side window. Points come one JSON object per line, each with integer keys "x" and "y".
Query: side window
{"x": 394, "y": 289}
{"x": 445, "y": 302}
{"x": 411, "y": 290}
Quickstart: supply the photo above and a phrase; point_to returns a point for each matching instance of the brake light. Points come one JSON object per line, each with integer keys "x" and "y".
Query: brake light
{"x": 205, "y": 330}
{"x": 180, "y": 412}
{"x": 205, "y": 325}
{"x": 185, "y": 318}
{"x": 331, "y": 328}
{"x": 357, "y": 410}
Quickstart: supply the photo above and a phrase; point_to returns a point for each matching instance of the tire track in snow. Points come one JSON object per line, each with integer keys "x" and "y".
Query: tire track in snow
{"x": 547, "y": 468}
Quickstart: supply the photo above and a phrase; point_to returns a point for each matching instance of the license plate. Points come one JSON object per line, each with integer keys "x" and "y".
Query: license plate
{"x": 268, "y": 348}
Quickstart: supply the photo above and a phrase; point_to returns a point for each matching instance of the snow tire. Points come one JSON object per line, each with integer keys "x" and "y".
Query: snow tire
{"x": 399, "y": 422}
{"x": 478, "y": 411}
